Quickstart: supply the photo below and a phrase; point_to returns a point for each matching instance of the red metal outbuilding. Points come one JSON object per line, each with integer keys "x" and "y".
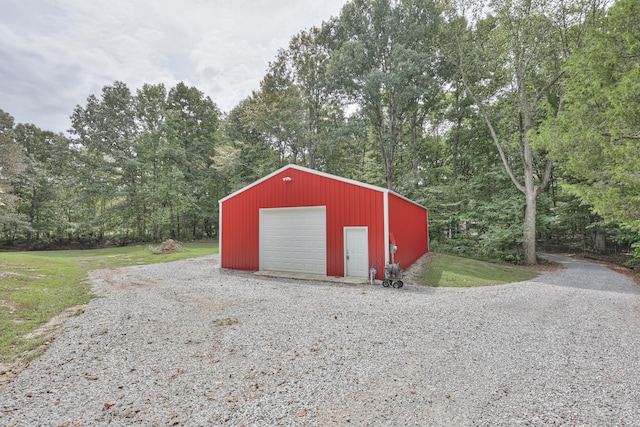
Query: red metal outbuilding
{"x": 301, "y": 220}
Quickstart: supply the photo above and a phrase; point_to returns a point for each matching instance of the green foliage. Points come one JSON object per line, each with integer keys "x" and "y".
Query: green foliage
{"x": 11, "y": 165}
{"x": 41, "y": 186}
{"x": 596, "y": 139}
{"x": 148, "y": 162}
{"x": 635, "y": 262}
{"x": 510, "y": 63}
{"x": 138, "y": 167}
{"x": 472, "y": 219}
{"x": 382, "y": 59}
{"x": 244, "y": 155}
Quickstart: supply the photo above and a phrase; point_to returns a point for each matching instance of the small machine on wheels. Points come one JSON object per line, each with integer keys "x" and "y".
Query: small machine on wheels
{"x": 392, "y": 271}
{"x": 392, "y": 276}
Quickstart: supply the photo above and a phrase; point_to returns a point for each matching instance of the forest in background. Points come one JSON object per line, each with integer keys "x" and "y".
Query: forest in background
{"x": 516, "y": 125}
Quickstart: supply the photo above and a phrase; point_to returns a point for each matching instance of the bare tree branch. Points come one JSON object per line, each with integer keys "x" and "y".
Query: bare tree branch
{"x": 546, "y": 178}
{"x": 487, "y": 120}
{"x": 546, "y": 88}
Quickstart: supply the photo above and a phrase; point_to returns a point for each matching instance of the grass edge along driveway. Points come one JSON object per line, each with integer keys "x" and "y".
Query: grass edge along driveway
{"x": 452, "y": 271}
{"x": 37, "y": 286}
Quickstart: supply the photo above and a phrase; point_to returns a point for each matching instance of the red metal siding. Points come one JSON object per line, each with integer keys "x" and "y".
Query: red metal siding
{"x": 347, "y": 205}
{"x": 409, "y": 225}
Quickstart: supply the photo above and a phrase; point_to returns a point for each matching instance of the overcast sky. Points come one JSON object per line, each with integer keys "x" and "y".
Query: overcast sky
{"x": 55, "y": 53}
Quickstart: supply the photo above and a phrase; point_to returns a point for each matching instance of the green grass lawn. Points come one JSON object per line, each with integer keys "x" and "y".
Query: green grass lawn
{"x": 36, "y": 286}
{"x": 451, "y": 271}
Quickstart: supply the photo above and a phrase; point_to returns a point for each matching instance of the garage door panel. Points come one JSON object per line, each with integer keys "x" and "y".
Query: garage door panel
{"x": 293, "y": 239}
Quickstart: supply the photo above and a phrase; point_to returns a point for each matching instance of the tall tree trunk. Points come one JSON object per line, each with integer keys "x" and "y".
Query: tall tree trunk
{"x": 600, "y": 239}
{"x": 456, "y": 138}
{"x": 387, "y": 157}
{"x": 415, "y": 160}
{"x": 529, "y": 242}
{"x": 388, "y": 176}
{"x": 183, "y": 225}
{"x": 529, "y": 188}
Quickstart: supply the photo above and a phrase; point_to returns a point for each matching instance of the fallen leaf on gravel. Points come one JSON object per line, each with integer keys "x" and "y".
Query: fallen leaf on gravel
{"x": 90, "y": 376}
{"x": 302, "y": 413}
{"x": 108, "y": 406}
{"x": 178, "y": 372}
{"x": 413, "y": 391}
{"x": 225, "y": 322}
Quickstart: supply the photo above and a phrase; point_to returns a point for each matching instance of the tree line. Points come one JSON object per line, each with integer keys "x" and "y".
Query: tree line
{"x": 515, "y": 123}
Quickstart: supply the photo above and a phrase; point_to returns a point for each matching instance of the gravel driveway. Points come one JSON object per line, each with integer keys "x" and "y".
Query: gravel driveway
{"x": 188, "y": 344}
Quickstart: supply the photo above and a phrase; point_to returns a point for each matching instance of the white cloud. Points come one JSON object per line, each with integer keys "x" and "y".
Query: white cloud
{"x": 53, "y": 54}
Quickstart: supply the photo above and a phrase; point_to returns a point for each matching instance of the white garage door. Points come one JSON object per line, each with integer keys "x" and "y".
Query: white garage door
{"x": 294, "y": 239}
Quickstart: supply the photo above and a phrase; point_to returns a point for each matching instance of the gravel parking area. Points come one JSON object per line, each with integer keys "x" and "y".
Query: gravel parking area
{"x": 188, "y": 344}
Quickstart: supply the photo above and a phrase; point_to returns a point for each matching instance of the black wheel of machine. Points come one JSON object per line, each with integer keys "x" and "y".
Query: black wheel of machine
{"x": 385, "y": 283}
{"x": 394, "y": 284}
{"x": 399, "y": 284}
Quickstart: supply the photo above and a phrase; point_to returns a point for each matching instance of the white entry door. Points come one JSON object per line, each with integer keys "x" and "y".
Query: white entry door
{"x": 356, "y": 251}
{"x": 294, "y": 239}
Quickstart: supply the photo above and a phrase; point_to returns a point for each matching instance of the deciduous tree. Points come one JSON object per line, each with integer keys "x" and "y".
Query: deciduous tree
{"x": 383, "y": 60}
{"x": 597, "y": 137}
{"x": 517, "y": 53}
{"x": 11, "y": 164}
